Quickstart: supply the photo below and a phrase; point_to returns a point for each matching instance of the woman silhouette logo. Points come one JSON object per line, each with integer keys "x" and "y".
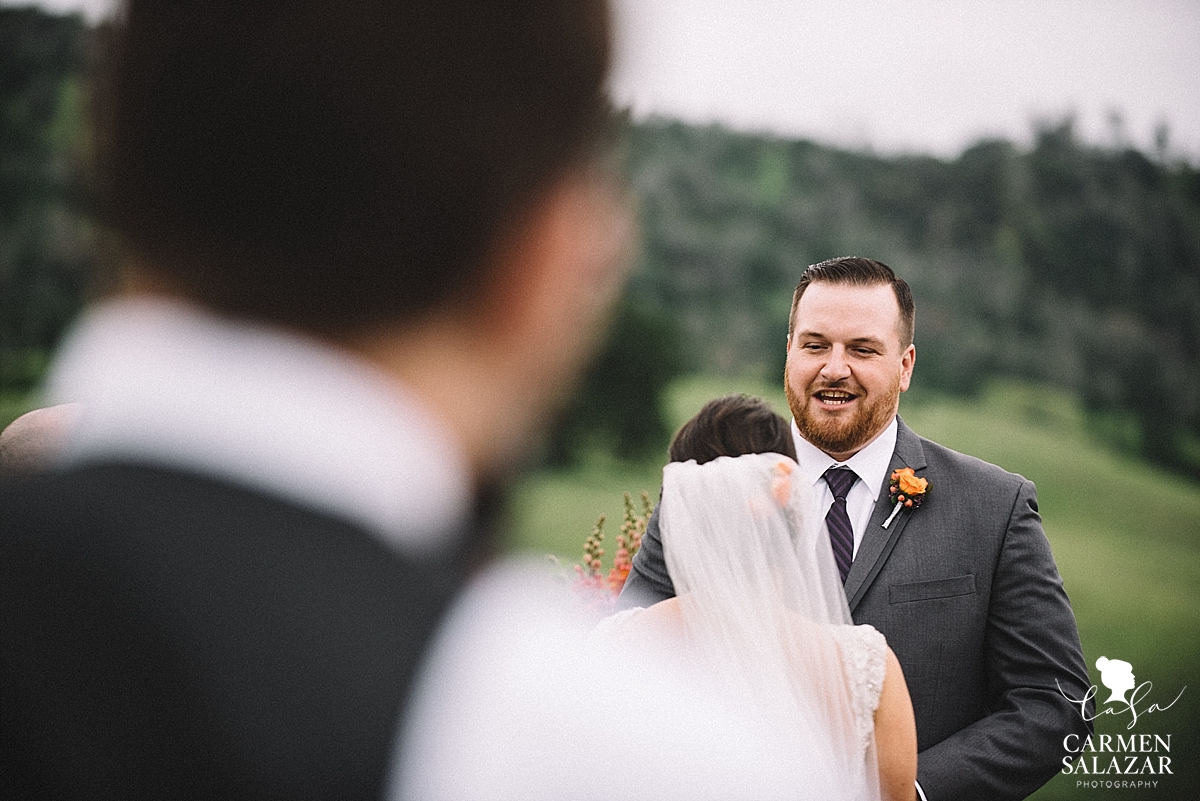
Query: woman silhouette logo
{"x": 1116, "y": 675}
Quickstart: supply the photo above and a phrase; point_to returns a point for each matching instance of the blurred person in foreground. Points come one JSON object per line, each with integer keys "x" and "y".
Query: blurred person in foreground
{"x": 364, "y": 247}
{"x": 961, "y": 581}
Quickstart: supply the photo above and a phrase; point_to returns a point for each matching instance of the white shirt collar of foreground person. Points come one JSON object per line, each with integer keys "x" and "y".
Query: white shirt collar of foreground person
{"x": 169, "y": 383}
{"x": 871, "y": 464}
{"x": 517, "y": 703}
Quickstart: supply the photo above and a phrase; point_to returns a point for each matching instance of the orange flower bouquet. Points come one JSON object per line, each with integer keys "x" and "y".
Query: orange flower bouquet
{"x": 595, "y": 587}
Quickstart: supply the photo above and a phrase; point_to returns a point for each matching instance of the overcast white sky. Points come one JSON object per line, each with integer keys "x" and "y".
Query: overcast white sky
{"x": 909, "y": 75}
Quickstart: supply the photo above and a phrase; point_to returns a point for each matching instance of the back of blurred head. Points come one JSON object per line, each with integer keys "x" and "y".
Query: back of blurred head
{"x": 360, "y": 168}
{"x": 331, "y": 165}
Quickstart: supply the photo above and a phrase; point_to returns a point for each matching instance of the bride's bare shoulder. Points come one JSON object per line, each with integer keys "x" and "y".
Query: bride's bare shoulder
{"x": 644, "y": 624}
{"x": 664, "y": 614}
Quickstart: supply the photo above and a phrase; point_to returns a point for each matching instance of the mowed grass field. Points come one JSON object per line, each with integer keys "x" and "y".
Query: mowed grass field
{"x": 1126, "y": 537}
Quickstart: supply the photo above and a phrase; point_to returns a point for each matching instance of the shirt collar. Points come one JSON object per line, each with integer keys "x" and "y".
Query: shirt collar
{"x": 169, "y": 383}
{"x": 871, "y": 463}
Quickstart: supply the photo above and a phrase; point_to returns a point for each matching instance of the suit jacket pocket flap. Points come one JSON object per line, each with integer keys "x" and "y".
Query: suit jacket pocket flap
{"x": 928, "y": 590}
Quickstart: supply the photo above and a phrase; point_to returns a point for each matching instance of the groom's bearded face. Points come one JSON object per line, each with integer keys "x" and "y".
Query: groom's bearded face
{"x": 846, "y": 366}
{"x": 842, "y": 435}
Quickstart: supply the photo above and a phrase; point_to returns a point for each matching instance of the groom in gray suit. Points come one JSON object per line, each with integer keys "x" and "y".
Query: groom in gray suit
{"x": 962, "y": 582}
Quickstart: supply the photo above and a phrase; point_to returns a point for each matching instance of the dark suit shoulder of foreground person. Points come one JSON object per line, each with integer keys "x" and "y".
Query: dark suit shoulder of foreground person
{"x": 180, "y": 636}
{"x": 966, "y": 590}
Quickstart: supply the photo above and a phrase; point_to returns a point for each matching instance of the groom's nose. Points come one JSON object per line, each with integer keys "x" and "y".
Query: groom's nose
{"x": 836, "y": 367}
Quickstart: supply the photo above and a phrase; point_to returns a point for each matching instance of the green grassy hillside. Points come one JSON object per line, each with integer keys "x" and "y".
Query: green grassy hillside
{"x": 552, "y": 512}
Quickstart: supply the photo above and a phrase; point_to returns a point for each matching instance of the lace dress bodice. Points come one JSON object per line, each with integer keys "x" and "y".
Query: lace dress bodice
{"x": 864, "y": 661}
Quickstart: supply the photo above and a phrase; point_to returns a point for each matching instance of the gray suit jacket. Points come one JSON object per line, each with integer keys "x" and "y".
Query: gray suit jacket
{"x": 967, "y": 593}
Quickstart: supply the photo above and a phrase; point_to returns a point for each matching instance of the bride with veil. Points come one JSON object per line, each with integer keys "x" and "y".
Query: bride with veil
{"x": 751, "y": 683}
{"x": 760, "y": 608}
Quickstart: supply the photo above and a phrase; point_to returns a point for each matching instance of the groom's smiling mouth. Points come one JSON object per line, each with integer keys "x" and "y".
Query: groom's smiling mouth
{"x": 833, "y": 398}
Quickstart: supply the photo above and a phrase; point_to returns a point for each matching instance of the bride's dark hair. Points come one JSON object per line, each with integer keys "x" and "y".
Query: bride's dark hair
{"x": 734, "y": 425}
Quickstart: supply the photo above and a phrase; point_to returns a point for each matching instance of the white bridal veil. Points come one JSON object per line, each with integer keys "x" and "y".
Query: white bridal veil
{"x": 761, "y": 602}
{"x": 518, "y": 702}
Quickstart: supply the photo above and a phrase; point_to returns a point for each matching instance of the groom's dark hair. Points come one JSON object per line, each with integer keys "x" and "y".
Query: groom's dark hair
{"x": 734, "y": 425}
{"x": 335, "y": 165}
{"x": 857, "y": 271}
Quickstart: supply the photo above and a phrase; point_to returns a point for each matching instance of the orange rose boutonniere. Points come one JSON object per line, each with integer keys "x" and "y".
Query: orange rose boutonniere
{"x": 907, "y": 490}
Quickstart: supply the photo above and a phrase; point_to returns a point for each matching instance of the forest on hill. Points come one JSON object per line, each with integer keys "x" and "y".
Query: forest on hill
{"x": 1063, "y": 263}
{"x": 1066, "y": 264}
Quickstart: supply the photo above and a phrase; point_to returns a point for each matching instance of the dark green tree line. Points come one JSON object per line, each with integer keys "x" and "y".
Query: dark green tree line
{"x": 46, "y": 253}
{"x": 1068, "y": 264}
{"x": 1064, "y": 263}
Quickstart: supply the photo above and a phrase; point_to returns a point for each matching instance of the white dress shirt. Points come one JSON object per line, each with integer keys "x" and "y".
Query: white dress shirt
{"x": 870, "y": 464}
{"x": 168, "y": 383}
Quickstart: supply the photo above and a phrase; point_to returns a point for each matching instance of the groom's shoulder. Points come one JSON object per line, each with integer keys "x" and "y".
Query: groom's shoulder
{"x": 965, "y": 468}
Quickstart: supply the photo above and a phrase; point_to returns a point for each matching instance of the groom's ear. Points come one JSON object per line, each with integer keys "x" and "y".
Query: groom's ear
{"x": 907, "y": 362}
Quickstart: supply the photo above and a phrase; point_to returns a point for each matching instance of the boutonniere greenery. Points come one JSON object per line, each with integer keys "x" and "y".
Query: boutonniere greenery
{"x": 907, "y": 491}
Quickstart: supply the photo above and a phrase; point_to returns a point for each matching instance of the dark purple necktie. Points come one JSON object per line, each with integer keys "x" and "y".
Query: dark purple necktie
{"x": 841, "y": 535}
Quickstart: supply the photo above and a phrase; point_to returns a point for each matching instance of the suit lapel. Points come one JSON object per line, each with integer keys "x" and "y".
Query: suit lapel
{"x": 877, "y": 541}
